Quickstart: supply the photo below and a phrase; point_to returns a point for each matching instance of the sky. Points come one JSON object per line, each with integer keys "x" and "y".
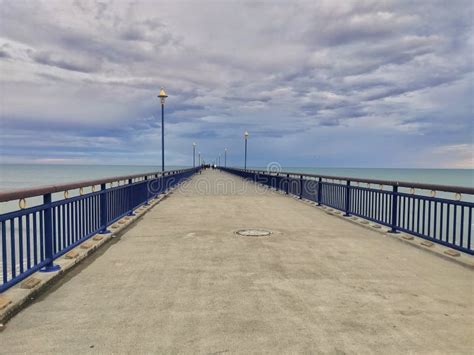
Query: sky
{"x": 316, "y": 83}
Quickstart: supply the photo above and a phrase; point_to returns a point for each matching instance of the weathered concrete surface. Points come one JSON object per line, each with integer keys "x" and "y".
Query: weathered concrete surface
{"x": 182, "y": 281}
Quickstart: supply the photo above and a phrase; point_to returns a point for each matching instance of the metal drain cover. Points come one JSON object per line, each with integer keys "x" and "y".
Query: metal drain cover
{"x": 253, "y": 232}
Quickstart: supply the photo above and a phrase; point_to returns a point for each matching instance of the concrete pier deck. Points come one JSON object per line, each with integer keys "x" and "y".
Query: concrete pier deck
{"x": 181, "y": 281}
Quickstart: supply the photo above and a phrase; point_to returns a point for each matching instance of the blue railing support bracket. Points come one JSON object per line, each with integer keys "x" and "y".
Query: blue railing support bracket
{"x": 103, "y": 209}
{"x": 147, "y": 193}
{"x": 348, "y": 199}
{"x": 320, "y": 190}
{"x": 48, "y": 236}
{"x": 130, "y": 199}
{"x": 394, "y": 208}
{"x": 301, "y": 187}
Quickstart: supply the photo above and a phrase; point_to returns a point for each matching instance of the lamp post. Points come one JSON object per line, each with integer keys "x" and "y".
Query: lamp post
{"x": 225, "y": 158}
{"x": 194, "y": 155}
{"x": 219, "y": 161}
{"x": 246, "y": 136}
{"x": 162, "y": 97}
{"x": 199, "y": 158}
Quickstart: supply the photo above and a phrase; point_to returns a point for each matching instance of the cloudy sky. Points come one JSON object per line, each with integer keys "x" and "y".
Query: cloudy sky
{"x": 316, "y": 83}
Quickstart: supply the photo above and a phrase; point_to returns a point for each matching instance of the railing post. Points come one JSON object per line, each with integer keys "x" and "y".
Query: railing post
{"x": 103, "y": 210}
{"x": 348, "y": 199}
{"x": 320, "y": 190}
{"x": 394, "y": 221}
{"x": 287, "y": 183}
{"x": 147, "y": 191}
{"x": 48, "y": 236}
{"x": 301, "y": 187}
{"x": 130, "y": 198}
{"x": 157, "y": 183}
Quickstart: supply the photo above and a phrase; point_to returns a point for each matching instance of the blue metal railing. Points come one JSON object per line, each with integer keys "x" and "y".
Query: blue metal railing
{"x": 394, "y": 204}
{"x": 32, "y": 238}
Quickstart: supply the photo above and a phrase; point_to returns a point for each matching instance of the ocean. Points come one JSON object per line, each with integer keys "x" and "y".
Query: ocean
{"x": 16, "y": 176}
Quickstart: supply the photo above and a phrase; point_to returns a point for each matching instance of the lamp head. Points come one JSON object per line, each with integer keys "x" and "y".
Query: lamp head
{"x": 162, "y": 96}
{"x": 246, "y": 134}
{"x": 194, "y": 144}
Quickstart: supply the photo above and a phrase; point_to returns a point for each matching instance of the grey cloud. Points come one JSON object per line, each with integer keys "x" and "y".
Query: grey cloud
{"x": 83, "y": 65}
{"x": 285, "y": 71}
{"x": 4, "y": 53}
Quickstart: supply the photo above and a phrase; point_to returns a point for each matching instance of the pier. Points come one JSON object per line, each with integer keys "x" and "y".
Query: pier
{"x": 182, "y": 279}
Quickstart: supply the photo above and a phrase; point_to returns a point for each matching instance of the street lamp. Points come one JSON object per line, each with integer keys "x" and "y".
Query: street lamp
{"x": 194, "y": 155}
{"x": 199, "y": 158}
{"x": 246, "y": 136}
{"x": 162, "y": 97}
{"x": 225, "y": 158}
{"x": 219, "y": 161}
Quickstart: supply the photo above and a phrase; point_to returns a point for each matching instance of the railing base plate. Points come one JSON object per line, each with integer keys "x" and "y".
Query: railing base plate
{"x": 51, "y": 268}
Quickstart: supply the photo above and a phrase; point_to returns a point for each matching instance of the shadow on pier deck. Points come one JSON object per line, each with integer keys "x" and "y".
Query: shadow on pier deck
{"x": 182, "y": 281}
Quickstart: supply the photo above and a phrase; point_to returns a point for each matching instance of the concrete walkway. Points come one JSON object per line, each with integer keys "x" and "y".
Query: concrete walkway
{"x": 181, "y": 281}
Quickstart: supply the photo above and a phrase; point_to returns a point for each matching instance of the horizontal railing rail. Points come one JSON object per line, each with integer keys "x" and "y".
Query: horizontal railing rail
{"x": 41, "y": 190}
{"x": 32, "y": 238}
{"x": 439, "y": 219}
{"x": 414, "y": 185}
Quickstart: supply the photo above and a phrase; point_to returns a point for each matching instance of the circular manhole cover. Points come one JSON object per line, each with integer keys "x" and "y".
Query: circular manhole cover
{"x": 253, "y": 232}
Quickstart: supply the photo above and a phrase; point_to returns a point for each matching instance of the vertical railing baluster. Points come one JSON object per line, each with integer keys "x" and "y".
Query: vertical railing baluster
{"x": 441, "y": 221}
{"x": 429, "y": 218}
{"x": 76, "y": 214}
{"x": 12, "y": 247}
{"x": 28, "y": 241}
{"x": 35, "y": 239}
{"x": 20, "y": 243}
{"x": 64, "y": 220}
{"x": 454, "y": 223}
{"x": 469, "y": 229}
{"x": 53, "y": 214}
{"x": 418, "y": 207}
{"x": 41, "y": 236}
{"x": 423, "y": 218}
{"x": 69, "y": 223}
{"x": 4, "y": 252}
{"x": 448, "y": 208}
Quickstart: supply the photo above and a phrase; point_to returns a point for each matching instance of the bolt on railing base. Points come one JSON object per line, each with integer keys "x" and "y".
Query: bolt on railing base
{"x": 50, "y": 268}
{"x": 105, "y": 231}
{"x": 393, "y": 231}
